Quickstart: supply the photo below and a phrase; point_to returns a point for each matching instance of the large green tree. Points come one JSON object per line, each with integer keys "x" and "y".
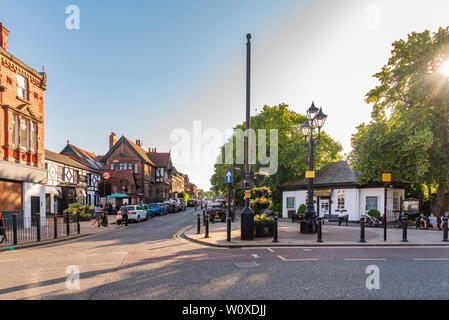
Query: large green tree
{"x": 409, "y": 131}
{"x": 291, "y": 152}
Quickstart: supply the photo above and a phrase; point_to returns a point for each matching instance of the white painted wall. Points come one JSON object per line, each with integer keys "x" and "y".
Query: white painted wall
{"x": 32, "y": 190}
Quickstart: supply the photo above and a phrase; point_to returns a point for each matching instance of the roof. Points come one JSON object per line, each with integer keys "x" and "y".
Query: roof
{"x": 160, "y": 159}
{"x": 88, "y": 158}
{"x": 57, "y": 157}
{"x": 139, "y": 150}
{"x": 333, "y": 173}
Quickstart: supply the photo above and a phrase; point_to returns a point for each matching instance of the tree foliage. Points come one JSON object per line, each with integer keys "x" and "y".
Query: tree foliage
{"x": 408, "y": 134}
{"x": 291, "y": 153}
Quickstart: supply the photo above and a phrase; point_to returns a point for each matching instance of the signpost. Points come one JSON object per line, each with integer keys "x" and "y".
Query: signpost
{"x": 386, "y": 177}
{"x": 228, "y": 180}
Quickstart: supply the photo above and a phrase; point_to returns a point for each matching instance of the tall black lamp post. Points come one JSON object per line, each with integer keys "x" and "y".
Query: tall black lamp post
{"x": 315, "y": 120}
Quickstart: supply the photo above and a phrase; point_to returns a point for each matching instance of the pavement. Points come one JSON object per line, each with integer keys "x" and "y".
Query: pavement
{"x": 332, "y": 235}
{"x": 152, "y": 261}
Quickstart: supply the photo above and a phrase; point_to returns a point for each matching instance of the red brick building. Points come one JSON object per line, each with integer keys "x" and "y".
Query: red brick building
{"x": 22, "y": 153}
{"x": 164, "y": 167}
{"x": 132, "y": 172}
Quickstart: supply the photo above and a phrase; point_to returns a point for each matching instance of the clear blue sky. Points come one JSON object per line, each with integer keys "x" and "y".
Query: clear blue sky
{"x": 146, "y": 68}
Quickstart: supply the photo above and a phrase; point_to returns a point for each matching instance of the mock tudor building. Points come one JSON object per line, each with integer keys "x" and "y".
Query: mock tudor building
{"x": 93, "y": 176}
{"x": 163, "y": 163}
{"x": 132, "y": 172}
{"x": 335, "y": 190}
{"x": 22, "y": 167}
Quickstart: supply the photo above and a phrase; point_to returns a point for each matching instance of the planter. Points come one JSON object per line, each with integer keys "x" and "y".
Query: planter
{"x": 85, "y": 218}
{"x": 264, "y": 229}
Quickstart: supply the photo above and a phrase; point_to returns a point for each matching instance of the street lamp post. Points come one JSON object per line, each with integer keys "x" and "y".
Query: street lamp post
{"x": 315, "y": 119}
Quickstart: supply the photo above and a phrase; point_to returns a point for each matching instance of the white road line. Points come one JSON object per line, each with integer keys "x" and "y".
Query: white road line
{"x": 380, "y": 259}
{"x": 305, "y": 260}
{"x": 431, "y": 259}
{"x": 271, "y": 250}
{"x": 255, "y": 255}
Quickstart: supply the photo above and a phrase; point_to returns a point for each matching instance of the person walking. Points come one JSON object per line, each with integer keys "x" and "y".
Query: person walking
{"x": 125, "y": 214}
{"x": 97, "y": 216}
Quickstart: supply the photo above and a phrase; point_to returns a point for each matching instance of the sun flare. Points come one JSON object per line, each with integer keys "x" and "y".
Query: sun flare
{"x": 445, "y": 68}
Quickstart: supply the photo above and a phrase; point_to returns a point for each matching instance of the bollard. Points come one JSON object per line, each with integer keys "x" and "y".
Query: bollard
{"x": 55, "y": 225}
{"x": 228, "y": 229}
{"x": 362, "y": 230}
{"x": 207, "y": 227}
{"x": 198, "y": 228}
{"x": 68, "y": 224}
{"x": 275, "y": 236}
{"x": 204, "y": 217}
{"x": 14, "y": 228}
{"x": 78, "y": 226}
{"x": 38, "y": 228}
{"x": 320, "y": 234}
{"x": 445, "y": 226}
{"x": 404, "y": 228}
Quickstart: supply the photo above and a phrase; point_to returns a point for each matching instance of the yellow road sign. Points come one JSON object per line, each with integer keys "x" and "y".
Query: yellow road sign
{"x": 386, "y": 177}
{"x": 310, "y": 174}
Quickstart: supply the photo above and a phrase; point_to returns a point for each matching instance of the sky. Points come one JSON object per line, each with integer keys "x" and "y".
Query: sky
{"x": 145, "y": 69}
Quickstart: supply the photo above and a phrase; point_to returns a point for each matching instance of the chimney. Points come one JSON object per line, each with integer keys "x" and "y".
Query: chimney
{"x": 4, "y": 33}
{"x": 138, "y": 142}
{"x": 112, "y": 140}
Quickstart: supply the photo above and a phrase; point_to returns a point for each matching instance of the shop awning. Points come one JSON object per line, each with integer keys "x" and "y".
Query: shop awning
{"x": 118, "y": 195}
{"x": 51, "y": 190}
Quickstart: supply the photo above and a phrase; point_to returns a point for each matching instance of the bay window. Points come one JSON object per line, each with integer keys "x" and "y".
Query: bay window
{"x": 24, "y": 134}
{"x": 15, "y": 130}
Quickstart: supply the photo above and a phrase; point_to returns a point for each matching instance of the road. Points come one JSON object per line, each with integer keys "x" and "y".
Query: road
{"x": 150, "y": 260}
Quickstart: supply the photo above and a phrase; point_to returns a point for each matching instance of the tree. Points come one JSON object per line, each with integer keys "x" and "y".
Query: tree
{"x": 408, "y": 134}
{"x": 291, "y": 153}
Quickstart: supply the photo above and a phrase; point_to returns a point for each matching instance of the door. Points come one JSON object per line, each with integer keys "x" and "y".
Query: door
{"x": 324, "y": 207}
{"x": 35, "y": 209}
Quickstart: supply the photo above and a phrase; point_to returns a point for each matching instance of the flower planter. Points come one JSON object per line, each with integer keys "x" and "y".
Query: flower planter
{"x": 85, "y": 218}
{"x": 264, "y": 229}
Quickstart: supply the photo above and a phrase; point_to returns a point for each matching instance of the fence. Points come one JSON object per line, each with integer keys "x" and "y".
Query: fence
{"x": 37, "y": 228}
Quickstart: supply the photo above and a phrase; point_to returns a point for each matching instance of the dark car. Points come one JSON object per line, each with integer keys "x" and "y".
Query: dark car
{"x": 171, "y": 206}
{"x": 217, "y": 211}
{"x": 191, "y": 203}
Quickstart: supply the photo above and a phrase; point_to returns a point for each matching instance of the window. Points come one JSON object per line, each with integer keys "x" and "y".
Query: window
{"x": 290, "y": 203}
{"x": 33, "y": 136}
{"x": 112, "y": 166}
{"x": 63, "y": 174}
{"x": 136, "y": 168}
{"x": 120, "y": 166}
{"x": 395, "y": 201}
{"x": 89, "y": 180}
{"x": 15, "y": 130}
{"x": 22, "y": 87}
{"x": 24, "y": 136}
{"x": 125, "y": 166}
{"x": 371, "y": 203}
{"x": 341, "y": 199}
{"x": 75, "y": 176}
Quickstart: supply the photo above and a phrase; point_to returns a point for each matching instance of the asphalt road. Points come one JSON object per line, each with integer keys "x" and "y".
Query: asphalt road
{"x": 150, "y": 260}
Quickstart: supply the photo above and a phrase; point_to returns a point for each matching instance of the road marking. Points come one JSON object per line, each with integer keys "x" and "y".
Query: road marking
{"x": 284, "y": 259}
{"x": 431, "y": 259}
{"x": 271, "y": 250}
{"x": 377, "y": 259}
{"x": 255, "y": 255}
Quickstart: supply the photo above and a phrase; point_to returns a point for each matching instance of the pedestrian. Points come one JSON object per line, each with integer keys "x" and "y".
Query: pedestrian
{"x": 433, "y": 220}
{"x": 97, "y": 216}
{"x": 446, "y": 214}
{"x": 124, "y": 210}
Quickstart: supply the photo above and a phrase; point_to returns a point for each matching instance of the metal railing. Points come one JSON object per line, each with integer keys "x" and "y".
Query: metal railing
{"x": 38, "y": 228}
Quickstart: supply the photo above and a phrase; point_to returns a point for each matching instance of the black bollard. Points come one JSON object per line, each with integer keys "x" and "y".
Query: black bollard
{"x": 228, "y": 229}
{"x": 275, "y": 236}
{"x": 55, "y": 225}
{"x": 445, "y": 226}
{"x": 320, "y": 235}
{"x": 78, "y": 226}
{"x": 206, "y": 235}
{"x": 404, "y": 228}
{"x": 204, "y": 217}
{"x": 38, "y": 227}
{"x": 68, "y": 224}
{"x": 362, "y": 230}
{"x": 198, "y": 228}
{"x": 14, "y": 228}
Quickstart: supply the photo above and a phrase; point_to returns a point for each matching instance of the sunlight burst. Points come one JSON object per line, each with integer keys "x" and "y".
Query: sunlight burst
{"x": 445, "y": 68}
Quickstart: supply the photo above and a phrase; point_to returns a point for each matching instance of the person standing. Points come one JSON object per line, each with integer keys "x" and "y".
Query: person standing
{"x": 125, "y": 214}
{"x": 97, "y": 216}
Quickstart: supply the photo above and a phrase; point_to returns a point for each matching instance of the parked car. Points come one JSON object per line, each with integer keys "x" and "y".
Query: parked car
{"x": 158, "y": 208}
{"x": 136, "y": 212}
{"x": 171, "y": 206}
{"x": 191, "y": 203}
{"x": 181, "y": 204}
{"x": 150, "y": 211}
{"x": 217, "y": 211}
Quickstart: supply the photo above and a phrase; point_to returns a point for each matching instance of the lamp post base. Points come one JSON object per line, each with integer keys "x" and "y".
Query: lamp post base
{"x": 308, "y": 226}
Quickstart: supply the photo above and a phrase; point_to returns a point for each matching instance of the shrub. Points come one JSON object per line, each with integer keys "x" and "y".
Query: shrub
{"x": 75, "y": 206}
{"x": 302, "y": 208}
{"x": 374, "y": 213}
{"x": 262, "y": 217}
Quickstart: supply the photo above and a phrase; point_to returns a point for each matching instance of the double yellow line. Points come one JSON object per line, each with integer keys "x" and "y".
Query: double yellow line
{"x": 177, "y": 235}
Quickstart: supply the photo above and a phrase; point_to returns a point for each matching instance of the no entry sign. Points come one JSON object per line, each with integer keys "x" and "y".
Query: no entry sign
{"x": 106, "y": 175}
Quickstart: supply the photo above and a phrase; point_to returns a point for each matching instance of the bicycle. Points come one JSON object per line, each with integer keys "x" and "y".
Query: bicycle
{"x": 370, "y": 221}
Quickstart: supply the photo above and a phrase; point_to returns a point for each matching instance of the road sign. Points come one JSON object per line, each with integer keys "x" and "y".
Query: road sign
{"x": 228, "y": 176}
{"x": 106, "y": 175}
{"x": 310, "y": 174}
{"x": 386, "y": 177}
{"x": 247, "y": 194}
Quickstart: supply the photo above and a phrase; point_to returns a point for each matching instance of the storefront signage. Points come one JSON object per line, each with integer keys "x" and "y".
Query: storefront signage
{"x": 322, "y": 193}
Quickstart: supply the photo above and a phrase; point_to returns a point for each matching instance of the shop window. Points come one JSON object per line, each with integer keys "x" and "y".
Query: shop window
{"x": 371, "y": 203}
{"x": 290, "y": 203}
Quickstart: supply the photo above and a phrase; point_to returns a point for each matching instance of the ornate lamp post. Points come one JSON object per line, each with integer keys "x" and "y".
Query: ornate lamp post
{"x": 315, "y": 120}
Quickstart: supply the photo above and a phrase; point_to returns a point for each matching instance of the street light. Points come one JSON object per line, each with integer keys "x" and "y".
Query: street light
{"x": 316, "y": 119}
